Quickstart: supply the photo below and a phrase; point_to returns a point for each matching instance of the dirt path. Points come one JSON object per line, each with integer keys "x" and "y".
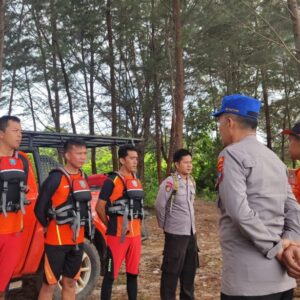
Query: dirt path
{"x": 207, "y": 283}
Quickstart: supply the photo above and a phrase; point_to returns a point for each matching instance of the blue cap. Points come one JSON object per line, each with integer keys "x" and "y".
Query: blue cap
{"x": 239, "y": 105}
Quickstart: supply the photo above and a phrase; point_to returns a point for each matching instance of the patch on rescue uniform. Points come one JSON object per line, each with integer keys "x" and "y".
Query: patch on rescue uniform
{"x": 220, "y": 170}
{"x": 169, "y": 186}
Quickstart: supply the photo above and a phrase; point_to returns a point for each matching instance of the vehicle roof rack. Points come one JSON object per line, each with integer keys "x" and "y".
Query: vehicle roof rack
{"x": 57, "y": 139}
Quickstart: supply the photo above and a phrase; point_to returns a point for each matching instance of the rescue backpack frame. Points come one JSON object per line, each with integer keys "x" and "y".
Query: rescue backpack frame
{"x": 70, "y": 212}
{"x": 126, "y": 206}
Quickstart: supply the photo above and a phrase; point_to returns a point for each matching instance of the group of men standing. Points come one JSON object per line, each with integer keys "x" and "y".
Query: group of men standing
{"x": 259, "y": 223}
{"x": 55, "y": 210}
{"x": 259, "y": 226}
{"x": 63, "y": 209}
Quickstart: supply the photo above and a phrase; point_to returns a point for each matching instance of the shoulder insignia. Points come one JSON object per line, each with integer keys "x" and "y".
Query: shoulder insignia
{"x": 220, "y": 170}
{"x": 220, "y": 164}
{"x": 169, "y": 186}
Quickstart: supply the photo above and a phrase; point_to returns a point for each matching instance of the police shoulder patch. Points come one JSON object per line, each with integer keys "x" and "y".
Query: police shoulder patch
{"x": 169, "y": 186}
{"x": 220, "y": 164}
{"x": 220, "y": 170}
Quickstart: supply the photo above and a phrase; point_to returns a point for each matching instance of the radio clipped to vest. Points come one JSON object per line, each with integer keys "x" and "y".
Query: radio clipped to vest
{"x": 130, "y": 205}
{"x": 76, "y": 210}
{"x": 13, "y": 173}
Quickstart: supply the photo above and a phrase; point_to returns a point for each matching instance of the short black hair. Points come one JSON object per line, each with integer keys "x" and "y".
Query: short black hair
{"x": 73, "y": 142}
{"x": 123, "y": 150}
{"x": 179, "y": 154}
{"x": 245, "y": 122}
{"x": 5, "y": 119}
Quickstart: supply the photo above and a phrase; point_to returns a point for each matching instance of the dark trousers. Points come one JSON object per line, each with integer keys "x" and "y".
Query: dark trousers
{"x": 180, "y": 261}
{"x": 287, "y": 295}
{"x": 108, "y": 283}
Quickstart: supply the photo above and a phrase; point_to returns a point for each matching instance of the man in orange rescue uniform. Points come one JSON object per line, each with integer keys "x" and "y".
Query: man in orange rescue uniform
{"x": 294, "y": 152}
{"x": 120, "y": 207}
{"x": 16, "y": 179}
{"x": 291, "y": 256}
{"x": 63, "y": 210}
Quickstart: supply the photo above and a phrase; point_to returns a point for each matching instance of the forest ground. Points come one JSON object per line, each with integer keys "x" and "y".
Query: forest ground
{"x": 207, "y": 281}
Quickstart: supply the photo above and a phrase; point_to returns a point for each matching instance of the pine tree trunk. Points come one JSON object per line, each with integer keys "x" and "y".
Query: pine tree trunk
{"x": 44, "y": 63}
{"x": 294, "y": 13}
{"x": 13, "y": 80}
{"x": 53, "y": 18}
{"x": 112, "y": 83}
{"x": 179, "y": 81}
{"x": 171, "y": 146}
{"x": 30, "y": 99}
{"x": 157, "y": 130}
{"x": 156, "y": 101}
{"x": 266, "y": 108}
{"x": 92, "y": 105}
{"x": 89, "y": 90}
{"x": 287, "y": 117}
{"x": 168, "y": 152}
{"x": 67, "y": 85}
{"x": 2, "y": 29}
